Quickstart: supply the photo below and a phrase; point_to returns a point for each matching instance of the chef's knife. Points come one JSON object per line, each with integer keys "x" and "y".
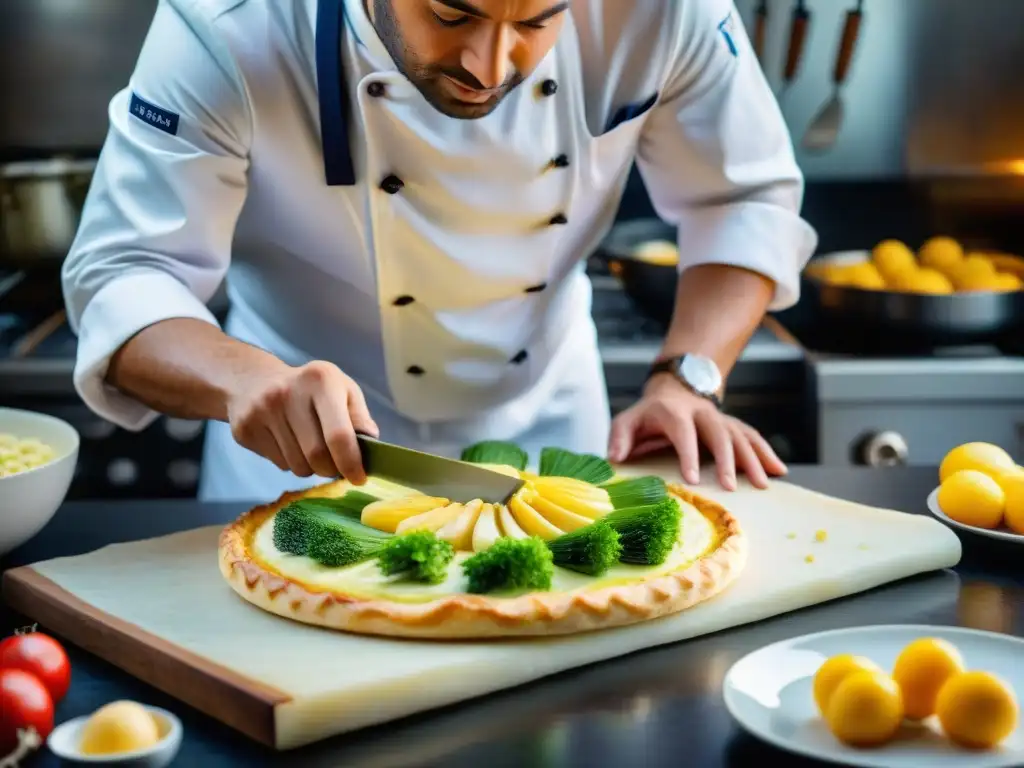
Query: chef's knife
{"x": 433, "y": 475}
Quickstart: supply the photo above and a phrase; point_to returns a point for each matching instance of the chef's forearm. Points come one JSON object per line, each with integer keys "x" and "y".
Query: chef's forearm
{"x": 717, "y": 310}
{"x": 186, "y": 368}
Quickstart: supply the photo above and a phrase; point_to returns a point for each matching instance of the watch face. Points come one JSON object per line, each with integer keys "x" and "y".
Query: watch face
{"x": 701, "y": 373}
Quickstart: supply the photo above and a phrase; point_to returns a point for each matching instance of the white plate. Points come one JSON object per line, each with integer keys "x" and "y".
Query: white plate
{"x": 999, "y": 533}
{"x": 769, "y": 692}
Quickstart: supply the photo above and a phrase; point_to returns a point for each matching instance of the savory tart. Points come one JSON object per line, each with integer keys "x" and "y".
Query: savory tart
{"x": 577, "y": 548}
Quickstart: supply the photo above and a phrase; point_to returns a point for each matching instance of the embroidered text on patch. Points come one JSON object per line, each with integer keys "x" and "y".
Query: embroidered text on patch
{"x": 727, "y": 27}
{"x": 160, "y": 118}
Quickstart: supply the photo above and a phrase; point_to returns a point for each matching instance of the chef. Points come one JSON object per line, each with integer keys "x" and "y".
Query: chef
{"x": 400, "y": 195}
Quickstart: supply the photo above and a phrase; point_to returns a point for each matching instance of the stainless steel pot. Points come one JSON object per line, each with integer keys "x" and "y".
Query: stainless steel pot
{"x": 40, "y": 205}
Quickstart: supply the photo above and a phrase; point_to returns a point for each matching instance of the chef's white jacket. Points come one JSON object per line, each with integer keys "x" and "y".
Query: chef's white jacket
{"x": 438, "y": 262}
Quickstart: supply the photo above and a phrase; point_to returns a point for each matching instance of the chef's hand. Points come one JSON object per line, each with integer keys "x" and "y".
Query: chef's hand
{"x": 303, "y": 419}
{"x": 669, "y": 414}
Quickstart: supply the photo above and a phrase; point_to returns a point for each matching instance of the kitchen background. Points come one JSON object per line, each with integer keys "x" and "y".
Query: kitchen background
{"x": 931, "y": 142}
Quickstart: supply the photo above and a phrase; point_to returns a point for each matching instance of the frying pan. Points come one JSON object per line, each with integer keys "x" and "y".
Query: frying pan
{"x": 932, "y": 320}
{"x": 650, "y": 286}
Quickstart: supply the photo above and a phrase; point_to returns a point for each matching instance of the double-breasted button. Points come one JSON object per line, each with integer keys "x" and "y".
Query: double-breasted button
{"x": 559, "y": 218}
{"x": 414, "y": 370}
{"x": 562, "y": 161}
{"x": 376, "y": 89}
{"x": 520, "y": 357}
{"x": 548, "y": 87}
{"x": 537, "y": 288}
{"x": 402, "y": 301}
{"x": 392, "y": 184}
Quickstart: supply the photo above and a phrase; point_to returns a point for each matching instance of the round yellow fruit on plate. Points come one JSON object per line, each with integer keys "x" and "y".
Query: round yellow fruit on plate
{"x": 833, "y": 672}
{"x": 983, "y": 457}
{"x": 866, "y": 709}
{"x": 921, "y": 669}
{"x": 1013, "y": 512}
{"x": 940, "y": 253}
{"x": 977, "y": 710}
{"x": 972, "y": 498}
{"x": 121, "y": 726}
{"x": 973, "y": 273}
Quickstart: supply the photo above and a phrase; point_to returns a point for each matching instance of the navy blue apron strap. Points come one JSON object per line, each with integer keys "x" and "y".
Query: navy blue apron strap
{"x": 333, "y": 92}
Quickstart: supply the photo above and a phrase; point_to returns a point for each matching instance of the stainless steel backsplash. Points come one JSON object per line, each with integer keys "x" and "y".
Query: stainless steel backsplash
{"x": 936, "y": 86}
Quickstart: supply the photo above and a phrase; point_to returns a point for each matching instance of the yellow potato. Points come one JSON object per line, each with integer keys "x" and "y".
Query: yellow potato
{"x": 893, "y": 257}
{"x": 940, "y": 253}
{"x": 925, "y": 281}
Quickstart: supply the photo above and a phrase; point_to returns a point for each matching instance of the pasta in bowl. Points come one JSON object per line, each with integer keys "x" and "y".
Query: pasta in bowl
{"x": 38, "y": 454}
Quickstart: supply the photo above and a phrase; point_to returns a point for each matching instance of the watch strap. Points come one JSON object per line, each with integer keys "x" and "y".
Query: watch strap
{"x": 671, "y": 365}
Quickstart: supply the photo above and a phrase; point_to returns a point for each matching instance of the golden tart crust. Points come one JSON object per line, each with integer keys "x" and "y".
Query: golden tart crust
{"x": 465, "y": 616}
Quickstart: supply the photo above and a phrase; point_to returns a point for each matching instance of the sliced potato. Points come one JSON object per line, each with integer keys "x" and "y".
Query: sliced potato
{"x": 486, "y": 530}
{"x": 430, "y": 520}
{"x": 558, "y": 516}
{"x": 386, "y": 514}
{"x": 531, "y": 521}
{"x": 509, "y": 526}
{"x": 460, "y": 530}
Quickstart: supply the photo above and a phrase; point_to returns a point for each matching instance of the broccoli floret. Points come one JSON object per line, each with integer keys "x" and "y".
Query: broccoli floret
{"x": 327, "y": 536}
{"x": 592, "y": 549}
{"x": 419, "y": 556}
{"x": 511, "y": 564}
{"x": 647, "y": 533}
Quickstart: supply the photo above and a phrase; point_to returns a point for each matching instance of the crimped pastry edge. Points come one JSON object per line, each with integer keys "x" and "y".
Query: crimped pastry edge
{"x": 467, "y": 616}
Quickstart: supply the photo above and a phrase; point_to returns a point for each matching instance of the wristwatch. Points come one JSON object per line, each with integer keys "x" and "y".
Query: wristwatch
{"x": 697, "y": 373}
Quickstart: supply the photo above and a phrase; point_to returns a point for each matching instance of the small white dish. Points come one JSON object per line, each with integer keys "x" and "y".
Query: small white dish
{"x": 30, "y": 499}
{"x": 998, "y": 533}
{"x": 770, "y": 693}
{"x": 65, "y": 738}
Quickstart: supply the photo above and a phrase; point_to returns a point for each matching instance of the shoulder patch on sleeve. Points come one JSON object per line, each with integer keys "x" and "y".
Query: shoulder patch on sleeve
{"x": 727, "y": 28}
{"x": 160, "y": 118}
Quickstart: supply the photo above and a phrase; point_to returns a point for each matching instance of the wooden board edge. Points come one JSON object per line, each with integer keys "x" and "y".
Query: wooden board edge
{"x": 215, "y": 690}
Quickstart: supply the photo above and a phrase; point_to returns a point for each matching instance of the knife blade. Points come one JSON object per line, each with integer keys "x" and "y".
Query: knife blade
{"x": 434, "y": 475}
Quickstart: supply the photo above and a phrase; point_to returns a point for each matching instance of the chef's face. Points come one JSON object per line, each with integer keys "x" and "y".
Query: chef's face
{"x": 465, "y": 55}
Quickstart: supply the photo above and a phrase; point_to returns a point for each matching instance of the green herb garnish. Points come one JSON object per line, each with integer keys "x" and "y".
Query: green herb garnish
{"x": 647, "y": 533}
{"x": 320, "y": 532}
{"x": 636, "y": 491}
{"x": 351, "y": 504}
{"x": 419, "y": 556}
{"x": 511, "y": 564}
{"x": 555, "y": 462}
{"x": 592, "y": 549}
{"x": 496, "y": 452}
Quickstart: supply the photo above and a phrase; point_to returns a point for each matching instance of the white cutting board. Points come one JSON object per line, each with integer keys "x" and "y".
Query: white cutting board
{"x": 329, "y": 682}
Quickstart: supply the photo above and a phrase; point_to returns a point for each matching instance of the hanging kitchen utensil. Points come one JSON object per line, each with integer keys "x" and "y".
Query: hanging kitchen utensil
{"x": 798, "y": 28}
{"x": 824, "y": 129}
{"x": 760, "y": 29}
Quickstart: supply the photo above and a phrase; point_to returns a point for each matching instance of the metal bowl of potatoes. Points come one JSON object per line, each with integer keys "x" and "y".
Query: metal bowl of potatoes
{"x": 940, "y": 294}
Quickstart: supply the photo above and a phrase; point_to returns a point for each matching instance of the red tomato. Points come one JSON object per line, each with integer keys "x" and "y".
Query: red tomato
{"x": 24, "y": 703}
{"x": 42, "y": 656}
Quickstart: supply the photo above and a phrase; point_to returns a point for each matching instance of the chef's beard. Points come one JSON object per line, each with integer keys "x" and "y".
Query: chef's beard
{"x": 428, "y": 78}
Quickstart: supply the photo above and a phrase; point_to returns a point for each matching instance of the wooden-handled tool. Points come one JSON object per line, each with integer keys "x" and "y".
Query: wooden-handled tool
{"x": 760, "y": 29}
{"x": 851, "y": 31}
{"x": 797, "y": 38}
{"x": 824, "y": 129}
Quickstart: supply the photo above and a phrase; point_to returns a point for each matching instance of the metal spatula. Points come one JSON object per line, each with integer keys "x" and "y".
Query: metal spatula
{"x": 824, "y": 129}
{"x": 435, "y": 475}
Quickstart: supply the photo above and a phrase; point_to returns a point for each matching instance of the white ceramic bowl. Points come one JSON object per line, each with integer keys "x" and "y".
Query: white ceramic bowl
{"x": 29, "y": 499}
{"x": 65, "y": 738}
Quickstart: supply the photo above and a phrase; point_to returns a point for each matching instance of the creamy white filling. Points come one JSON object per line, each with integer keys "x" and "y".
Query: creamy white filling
{"x": 696, "y": 536}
